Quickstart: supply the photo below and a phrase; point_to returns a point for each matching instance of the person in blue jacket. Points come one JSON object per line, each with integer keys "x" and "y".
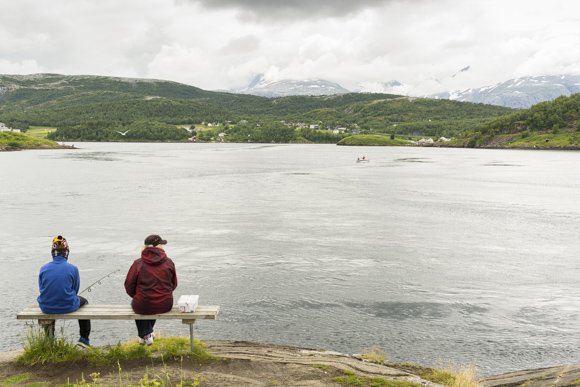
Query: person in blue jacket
{"x": 59, "y": 283}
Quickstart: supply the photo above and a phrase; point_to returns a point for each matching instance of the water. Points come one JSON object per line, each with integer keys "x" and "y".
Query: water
{"x": 456, "y": 254}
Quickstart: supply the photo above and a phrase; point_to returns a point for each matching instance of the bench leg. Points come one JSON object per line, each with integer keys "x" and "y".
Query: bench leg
{"x": 190, "y": 323}
{"x": 191, "y": 336}
{"x": 49, "y": 326}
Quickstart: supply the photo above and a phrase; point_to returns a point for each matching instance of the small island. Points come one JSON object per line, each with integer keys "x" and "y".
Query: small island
{"x": 374, "y": 140}
{"x": 14, "y": 141}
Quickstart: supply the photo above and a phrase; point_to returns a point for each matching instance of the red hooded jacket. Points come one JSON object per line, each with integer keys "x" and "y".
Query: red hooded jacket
{"x": 151, "y": 281}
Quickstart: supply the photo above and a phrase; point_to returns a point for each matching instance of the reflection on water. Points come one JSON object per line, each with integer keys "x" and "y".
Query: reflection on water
{"x": 95, "y": 156}
{"x": 427, "y": 253}
{"x": 500, "y": 164}
{"x": 411, "y": 160}
{"x": 403, "y": 310}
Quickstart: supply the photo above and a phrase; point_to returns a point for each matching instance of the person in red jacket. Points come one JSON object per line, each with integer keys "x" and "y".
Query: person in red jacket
{"x": 151, "y": 281}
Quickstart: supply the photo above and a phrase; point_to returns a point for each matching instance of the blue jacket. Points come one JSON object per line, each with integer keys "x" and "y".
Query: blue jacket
{"x": 59, "y": 284}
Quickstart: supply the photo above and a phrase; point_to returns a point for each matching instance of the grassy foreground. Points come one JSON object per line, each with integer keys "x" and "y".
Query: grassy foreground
{"x": 39, "y": 349}
{"x": 169, "y": 362}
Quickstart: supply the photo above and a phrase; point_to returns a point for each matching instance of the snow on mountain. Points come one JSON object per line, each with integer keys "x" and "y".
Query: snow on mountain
{"x": 519, "y": 93}
{"x": 286, "y": 87}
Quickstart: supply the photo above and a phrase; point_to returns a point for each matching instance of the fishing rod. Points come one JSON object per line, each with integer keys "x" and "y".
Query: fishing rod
{"x": 98, "y": 282}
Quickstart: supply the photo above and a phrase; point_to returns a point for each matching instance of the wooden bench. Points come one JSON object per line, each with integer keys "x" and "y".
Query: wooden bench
{"x": 117, "y": 312}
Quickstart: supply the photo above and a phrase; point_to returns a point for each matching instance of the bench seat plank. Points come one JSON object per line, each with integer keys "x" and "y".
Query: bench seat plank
{"x": 118, "y": 312}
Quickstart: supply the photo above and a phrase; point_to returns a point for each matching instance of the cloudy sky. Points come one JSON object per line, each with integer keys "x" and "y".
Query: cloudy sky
{"x": 223, "y": 44}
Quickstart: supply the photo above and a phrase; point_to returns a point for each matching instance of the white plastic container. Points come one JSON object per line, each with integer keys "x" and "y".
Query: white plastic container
{"x": 187, "y": 304}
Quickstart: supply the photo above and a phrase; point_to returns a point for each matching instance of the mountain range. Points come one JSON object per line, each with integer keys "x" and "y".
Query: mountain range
{"x": 262, "y": 87}
{"x": 519, "y": 93}
{"x": 101, "y": 102}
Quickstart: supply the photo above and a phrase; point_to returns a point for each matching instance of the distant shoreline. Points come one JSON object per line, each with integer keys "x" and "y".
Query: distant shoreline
{"x": 7, "y": 148}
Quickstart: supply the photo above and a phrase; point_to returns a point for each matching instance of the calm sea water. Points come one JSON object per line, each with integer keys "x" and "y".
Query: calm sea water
{"x": 465, "y": 255}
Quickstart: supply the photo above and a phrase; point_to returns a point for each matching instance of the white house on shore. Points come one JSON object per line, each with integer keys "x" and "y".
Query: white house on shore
{"x": 4, "y": 128}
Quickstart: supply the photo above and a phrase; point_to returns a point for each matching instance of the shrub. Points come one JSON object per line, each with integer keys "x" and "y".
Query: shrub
{"x": 453, "y": 375}
{"x": 375, "y": 354}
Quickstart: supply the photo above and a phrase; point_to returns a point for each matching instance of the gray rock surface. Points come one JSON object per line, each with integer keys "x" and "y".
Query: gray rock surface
{"x": 566, "y": 375}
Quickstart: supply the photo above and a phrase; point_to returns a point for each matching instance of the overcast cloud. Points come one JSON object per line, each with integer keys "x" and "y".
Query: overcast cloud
{"x": 281, "y": 11}
{"x": 223, "y": 44}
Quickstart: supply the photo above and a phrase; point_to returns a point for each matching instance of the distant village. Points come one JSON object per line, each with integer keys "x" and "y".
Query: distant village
{"x": 4, "y": 128}
{"x": 299, "y": 125}
{"x": 338, "y": 129}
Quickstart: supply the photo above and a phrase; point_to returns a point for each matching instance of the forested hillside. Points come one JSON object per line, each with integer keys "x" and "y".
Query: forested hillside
{"x": 20, "y": 92}
{"x": 551, "y": 124}
{"x": 120, "y": 131}
{"x": 171, "y": 111}
{"x": 81, "y": 104}
{"x": 561, "y": 112}
{"x": 406, "y": 115}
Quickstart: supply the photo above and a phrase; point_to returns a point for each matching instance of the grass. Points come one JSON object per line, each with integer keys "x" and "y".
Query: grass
{"x": 39, "y": 131}
{"x": 372, "y": 139}
{"x": 20, "y": 379}
{"x": 40, "y": 349}
{"x": 15, "y": 379}
{"x": 560, "y": 139}
{"x": 565, "y": 138}
{"x": 161, "y": 378}
{"x": 530, "y": 382}
{"x": 451, "y": 374}
{"x": 14, "y": 139}
{"x": 351, "y": 379}
{"x": 446, "y": 374}
{"x": 375, "y": 353}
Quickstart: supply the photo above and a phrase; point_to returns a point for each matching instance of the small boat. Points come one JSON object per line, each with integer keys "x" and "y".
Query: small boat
{"x": 362, "y": 160}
